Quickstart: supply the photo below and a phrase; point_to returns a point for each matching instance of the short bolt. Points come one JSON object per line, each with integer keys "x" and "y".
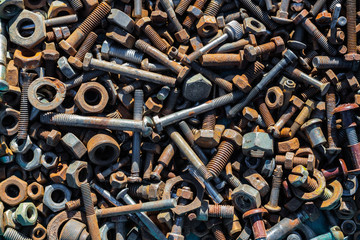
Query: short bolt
{"x": 257, "y": 223}
{"x": 303, "y": 116}
{"x": 155, "y": 38}
{"x": 264, "y": 112}
{"x": 163, "y": 161}
{"x": 85, "y": 47}
{"x": 272, "y": 205}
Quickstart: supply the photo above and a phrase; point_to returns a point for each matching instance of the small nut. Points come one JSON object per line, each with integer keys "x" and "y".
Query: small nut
{"x": 59, "y": 174}
{"x": 72, "y": 143}
{"x": 207, "y": 26}
{"x": 118, "y": 180}
{"x": 55, "y": 197}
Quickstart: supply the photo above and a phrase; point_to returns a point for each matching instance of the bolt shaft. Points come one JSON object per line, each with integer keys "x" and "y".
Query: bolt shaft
{"x": 91, "y": 218}
{"x": 275, "y": 190}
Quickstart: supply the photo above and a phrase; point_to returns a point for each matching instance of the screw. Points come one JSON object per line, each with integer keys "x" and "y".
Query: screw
{"x": 264, "y": 112}
{"x": 85, "y": 47}
{"x": 302, "y": 19}
{"x": 257, "y": 223}
{"x": 24, "y": 106}
{"x": 272, "y": 205}
{"x": 161, "y": 123}
{"x": 190, "y": 18}
{"x": 346, "y": 111}
{"x": 213, "y": 7}
{"x": 289, "y": 57}
{"x": 303, "y": 116}
{"x": 76, "y": 4}
{"x": 90, "y": 62}
{"x": 233, "y": 30}
{"x": 135, "y": 157}
{"x": 71, "y": 43}
{"x": 259, "y": 14}
{"x": 144, "y": 25}
{"x": 163, "y": 58}
{"x": 91, "y": 218}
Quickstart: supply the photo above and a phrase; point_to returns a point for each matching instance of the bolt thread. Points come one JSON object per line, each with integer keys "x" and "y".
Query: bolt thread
{"x": 310, "y": 184}
{"x": 24, "y": 112}
{"x": 12, "y": 234}
{"x": 351, "y": 25}
{"x": 233, "y": 181}
{"x": 209, "y": 120}
{"x": 85, "y": 77}
{"x": 86, "y": 196}
{"x": 190, "y": 19}
{"x": 138, "y": 104}
{"x": 130, "y": 55}
{"x": 324, "y": 62}
{"x": 218, "y": 233}
{"x": 352, "y": 136}
{"x": 322, "y": 40}
{"x": 218, "y": 162}
{"x": 76, "y": 4}
{"x": 309, "y": 56}
{"x": 327, "y": 194}
{"x": 86, "y": 45}
{"x": 259, "y": 13}
{"x": 156, "y": 39}
{"x": 265, "y": 113}
{"x": 331, "y": 120}
{"x": 94, "y": 18}
{"x": 131, "y": 87}
{"x": 312, "y": 91}
{"x": 116, "y": 114}
{"x": 189, "y": 135}
{"x": 182, "y": 6}
{"x": 213, "y": 7}
{"x": 135, "y": 190}
{"x": 254, "y": 71}
{"x": 333, "y": 4}
{"x": 224, "y": 211}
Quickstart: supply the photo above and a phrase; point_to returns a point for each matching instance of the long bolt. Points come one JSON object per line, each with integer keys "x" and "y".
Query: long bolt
{"x": 90, "y": 62}
{"x": 272, "y": 205}
{"x": 161, "y": 123}
{"x": 351, "y": 35}
{"x": 91, "y": 218}
{"x": 63, "y": 20}
{"x": 140, "y": 207}
{"x": 72, "y": 120}
{"x": 94, "y": 19}
{"x": 135, "y": 158}
{"x": 188, "y": 152}
{"x": 317, "y": 7}
{"x": 332, "y": 149}
{"x": 326, "y": 62}
{"x": 306, "y": 23}
{"x": 289, "y": 57}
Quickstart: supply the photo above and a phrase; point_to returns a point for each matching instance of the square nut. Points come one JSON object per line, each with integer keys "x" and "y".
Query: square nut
{"x": 72, "y": 143}
{"x": 289, "y": 157}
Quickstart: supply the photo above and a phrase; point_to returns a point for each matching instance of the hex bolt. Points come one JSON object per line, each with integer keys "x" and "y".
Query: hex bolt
{"x": 135, "y": 157}
{"x": 140, "y": 207}
{"x": 276, "y": 44}
{"x": 257, "y": 223}
{"x": 85, "y": 47}
{"x": 182, "y": 6}
{"x": 332, "y": 148}
{"x": 90, "y": 62}
{"x": 296, "y": 104}
{"x": 184, "y": 127}
{"x": 304, "y": 114}
{"x": 352, "y": 54}
{"x": 213, "y": 7}
{"x": 264, "y": 112}
{"x": 259, "y": 14}
{"x": 181, "y": 35}
{"x": 289, "y": 57}
{"x": 12, "y": 234}
{"x": 188, "y": 152}
{"x": 137, "y": 8}
{"x": 163, "y": 161}
{"x": 232, "y": 140}
{"x": 346, "y": 111}
{"x": 76, "y": 38}
{"x": 161, "y": 123}
{"x": 306, "y": 23}
{"x": 50, "y": 56}
{"x": 154, "y": 230}
{"x": 243, "y": 81}
{"x": 73, "y": 120}
{"x": 294, "y": 161}
{"x": 24, "y": 106}
{"x": 63, "y": 20}
{"x": 190, "y": 18}
{"x": 163, "y": 58}
{"x": 326, "y": 62}
{"x": 76, "y": 4}
{"x": 272, "y": 205}
{"x": 317, "y": 7}
{"x": 91, "y": 218}
{"x": 144, "y": 25}
{"x": 232, "y": 31}
{"x": 303, "y": 77}
{"x": 282, "y": 14}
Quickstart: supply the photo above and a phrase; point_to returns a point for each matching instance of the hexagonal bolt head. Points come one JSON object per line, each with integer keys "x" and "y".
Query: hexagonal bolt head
{"x": 232, "y": 136}
{"x": 196, "y": 88}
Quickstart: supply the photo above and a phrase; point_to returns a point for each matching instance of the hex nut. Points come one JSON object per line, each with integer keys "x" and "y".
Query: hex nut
{"x": 23, "y": 147}
{"x": 196, "y": 88}
{"x": 74, "y": 145}
{"x": 26, "y": 214}
{"x": 77, "y": 173}
{"x": 53, "y": 138}
{"x": 27, "y": 58}
{"x": 91, "y": 97}
{"x": 245, "y": 198}
{"x": 279, "y": 43}
{"x": 10, "y": 8}
{"x": 182, "y": 36}
{"x": 10, "y": 128}
{"x": 195, "y": 11}
{"x": 55, "y": 197}
{"x": 65, "y": 67}
{"x": 274, "y": 97}
{"x": 207, "y": 26}
{"x": 9, "y": 187}
{"x": 35, "y": 191}
{"x": 118, "y": 180}
{"x": 38, "y": 232}
{"x": 103, "y": 149}
{"x": 58, "y": 175}
{"x": 49, "y": 160}
{"x": 121, "y": 19}
{"x": 250, "y": 114}
{"x": 38, "y": 35}
{"x": 297, "y": 102}
{"x": 29, "y": 164}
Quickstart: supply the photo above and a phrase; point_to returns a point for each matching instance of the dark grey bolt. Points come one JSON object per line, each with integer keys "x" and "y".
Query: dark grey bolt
{"x": 130, "y": 55}
{"x": 154, "y": 230}
{"x": 135, "y": 158}
{"x": 72, "y": 120}
{"x": 161, "y": 123}
{"x": 317, "y": 7}
{"x": 90, "y": 62}
{"x": 288, "y": 58}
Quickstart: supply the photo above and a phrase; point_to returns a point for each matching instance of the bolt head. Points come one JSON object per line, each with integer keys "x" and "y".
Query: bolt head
{"x": 142, "y": 22}
{"x": 67, "y": 48}
{"x": 301, "y": 16}
{"x": 207, "y": 138}
{"x": 250, "y": 53}
{"x": 298, "y": 176}
{"x": 75, "y": 62}
{"x": 50, "y": 54}
{"x": 250, "y": 114}
{"x": 53, "y": 138}
{"x": 86, "y": 62}
{"x": 279, "y": 43}
{"x": 233, "y": 136}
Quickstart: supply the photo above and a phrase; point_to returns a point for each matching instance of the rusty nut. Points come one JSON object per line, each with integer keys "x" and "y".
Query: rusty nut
{"x": 274, "y": 97}
{"x": 77, "y": 173}
{"x": 13, "y": 191}
{"x": 35, "y": 191}
{"x": 207, "y": 26}
{"x": 103, "y": 149}
{"x": 91, "y": 97}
